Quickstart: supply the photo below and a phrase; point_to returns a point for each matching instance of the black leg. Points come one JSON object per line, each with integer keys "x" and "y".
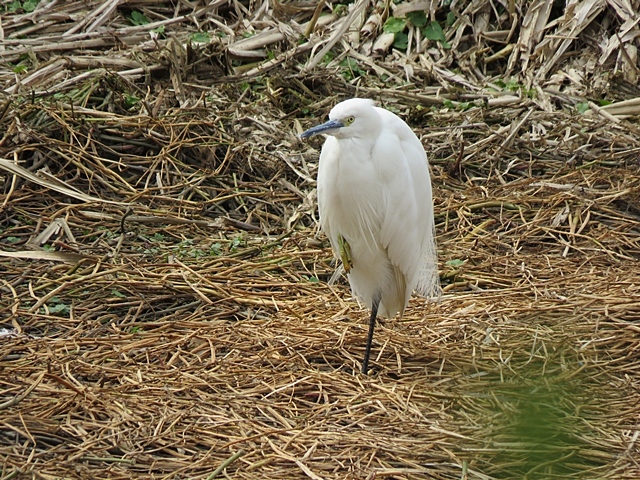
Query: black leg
{"x": 372, "y": 324}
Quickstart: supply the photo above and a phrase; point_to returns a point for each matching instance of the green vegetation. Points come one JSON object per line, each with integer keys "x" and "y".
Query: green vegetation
{"x": 430, "y": 30}
{"x": 16, "y": 6}
{"x": 138, "y": 18}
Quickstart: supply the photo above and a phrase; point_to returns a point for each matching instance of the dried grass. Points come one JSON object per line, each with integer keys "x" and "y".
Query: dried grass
{"x": 163, "y": 299}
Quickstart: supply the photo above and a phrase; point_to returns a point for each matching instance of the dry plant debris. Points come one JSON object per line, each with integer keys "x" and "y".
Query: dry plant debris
{"x": 164, "y": 311}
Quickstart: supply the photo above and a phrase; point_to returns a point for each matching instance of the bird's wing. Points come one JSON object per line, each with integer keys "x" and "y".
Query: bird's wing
{"x": 408, "y": 230}
{"x": 327, "y": 176}
{"x": 348, "y": 197}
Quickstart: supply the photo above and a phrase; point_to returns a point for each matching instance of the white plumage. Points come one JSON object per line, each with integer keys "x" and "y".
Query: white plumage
{"x": 374, "y": 191}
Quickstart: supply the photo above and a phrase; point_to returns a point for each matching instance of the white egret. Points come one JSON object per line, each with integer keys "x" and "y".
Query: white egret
{"x": 375, "y": 204}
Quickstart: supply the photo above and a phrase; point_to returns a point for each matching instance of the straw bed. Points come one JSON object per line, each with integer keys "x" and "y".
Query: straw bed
{"x": 164, "y": 305}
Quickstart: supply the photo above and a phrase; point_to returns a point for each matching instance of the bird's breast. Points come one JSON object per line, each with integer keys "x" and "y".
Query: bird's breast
{"x": 350, "y": 198}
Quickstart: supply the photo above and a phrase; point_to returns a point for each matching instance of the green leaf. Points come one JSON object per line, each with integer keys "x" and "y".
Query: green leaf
{"x": 59, "y": 308}
{"x": 235, "y": 243}
{"x": 215, "y": 249}
{"x": 200, "y": 37}
{"x": 20, "y": 68}
{"x": 394, "y": 25}
{"x": 138, "y": 18}
{"x": 159, "y": 30}
{"x": 14, "y": 6}
{"x": 130, "y": 100}
{"x": 582, "y": 107}
{"x": 451, "y": 18}
{"x": 461, "y": 106}
{"x": 418, "y": 19}
{"x": 349, "y": 63}
{"x": 340, "y": 10}
{"x": 13, "y": 239}
{"x": 434, "y": 32}
{"x": 604, "y": 103}
{"x": 455, "y": 262}
{"x": 117, "y": 293}
{"x": 401, "y": 41}
{"x": 351, "y": 69}
{"x": 513, "y": 85}
{"x": 29, "y": 5}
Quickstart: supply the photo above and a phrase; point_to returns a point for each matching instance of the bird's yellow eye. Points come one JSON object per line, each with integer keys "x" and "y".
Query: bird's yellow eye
{"x": 349, "y": 120}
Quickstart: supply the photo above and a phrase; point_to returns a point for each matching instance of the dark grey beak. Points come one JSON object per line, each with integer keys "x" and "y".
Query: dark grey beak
{"x": 326, "y": 127}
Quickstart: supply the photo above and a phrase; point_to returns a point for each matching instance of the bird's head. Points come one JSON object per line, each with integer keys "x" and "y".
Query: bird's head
{"x": 352, "y": 118}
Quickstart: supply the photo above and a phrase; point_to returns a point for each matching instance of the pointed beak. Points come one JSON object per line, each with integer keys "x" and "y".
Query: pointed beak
{"x": 326, "y": 127}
